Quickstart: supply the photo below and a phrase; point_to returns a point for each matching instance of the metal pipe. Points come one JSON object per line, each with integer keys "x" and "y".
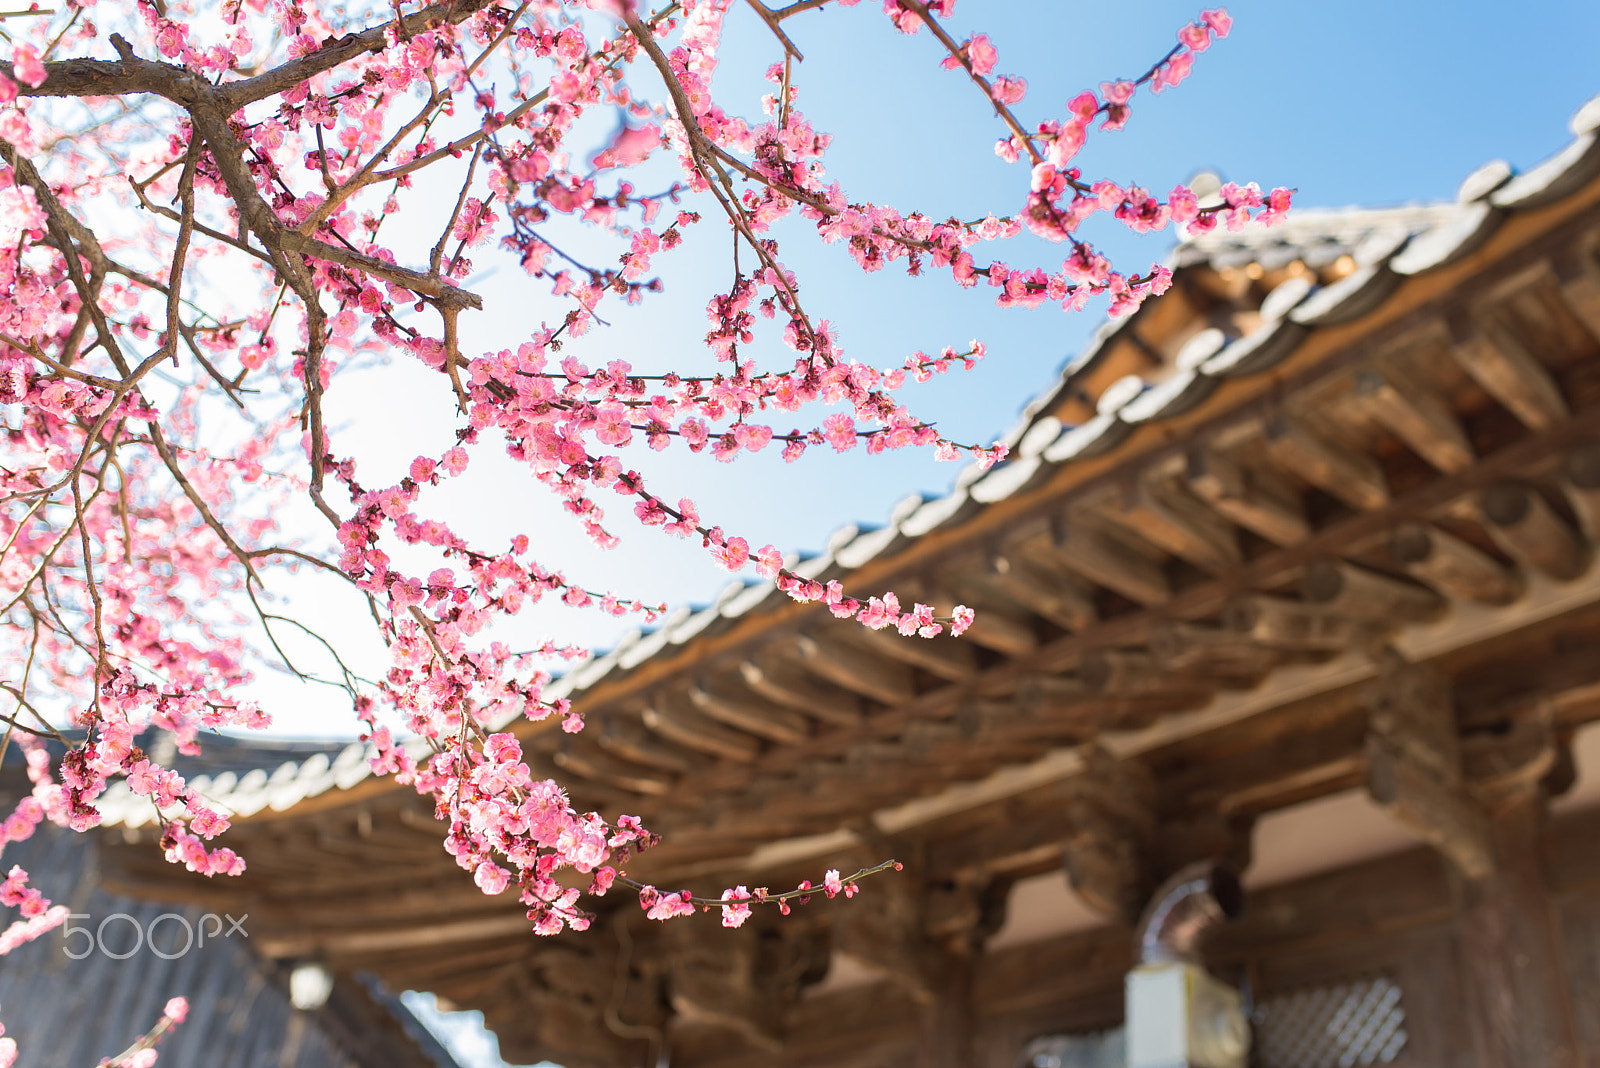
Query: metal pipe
{"x": 1184, "y": 909}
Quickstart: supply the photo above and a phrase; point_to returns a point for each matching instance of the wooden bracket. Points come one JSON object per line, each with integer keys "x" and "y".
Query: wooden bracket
{"x": 1414, "y": 763}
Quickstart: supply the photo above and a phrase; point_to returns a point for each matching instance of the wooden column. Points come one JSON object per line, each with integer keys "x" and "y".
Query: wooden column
{"x": 1481, "y": 802}
{"x": 1510, "y": 944}
{"x": 945, "y": 1034}
{"x": 928, "y": 938}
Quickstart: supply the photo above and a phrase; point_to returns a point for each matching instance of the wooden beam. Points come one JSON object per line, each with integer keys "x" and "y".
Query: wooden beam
{"x": 1580, "y": 472}
{"x": 1447, "y": 563}
{"x": 1415, "y": 416}
{"x": 1175, "y": 522}
{"x": 1284, "y": 624}
{"x": 948, "y": 658}
{"x": 592, "y": 762}
{"x": 997, "y": 626}
{"x": 1255, "y": 501}
{"x": 782, "y": 681}
{"x": 1134, "y": 673}
{"x": 675, "y": 719}
{"x": 623, "y": 735}
{"x": 1089, "y": 551}
{"x": 1352, "y": 477}
{"x": 1511, "y": 374}
{"x": 1525, "y": 525}
{"x": 856, "y": 669}
{"x": 1579, "y": 279}
{"x": 1041, "y": 590}
{"x": 1004, "y": 632}
{"x": 1442, "y": 816}
{"x": 1111, "y": 820}
{"x": 1345, "y": 589}
{"x": 728, "y": 702}
{"x": 1414, "y": 763}
{"x": 1215, "y": 652}
{"x": 884, "y": 928}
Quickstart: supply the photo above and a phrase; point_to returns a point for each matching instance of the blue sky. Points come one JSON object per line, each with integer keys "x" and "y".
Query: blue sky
{"x": 1357, "y": 103}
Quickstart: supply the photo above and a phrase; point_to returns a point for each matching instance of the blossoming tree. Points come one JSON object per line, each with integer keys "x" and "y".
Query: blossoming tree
{"x": 207, "y": 207}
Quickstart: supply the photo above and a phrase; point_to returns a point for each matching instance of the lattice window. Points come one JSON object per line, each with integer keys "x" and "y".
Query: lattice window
{"x": 1340, "y": 1025}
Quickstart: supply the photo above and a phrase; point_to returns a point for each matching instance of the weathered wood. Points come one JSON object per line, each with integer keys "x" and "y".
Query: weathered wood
{"x": 1111, "y": 819}
{"x": 1580, "y": 473}
{"x": 1188, "y": 647}
{"x": 1284, "y": 624}
{"x": 1440, "y": 814}
{"x": 1414, "y": 763}
{"x": 1511, "y": 957}
{"x": 1125, "y": 672}
{"x": 1092, "y": 553}
{"x": 1173, "y": 521}
{"x": 1503, "y": 768}
{"x": 728, "y": 702}
{"x": 856, "y": 669}
{"x": 1525, "y": 525}
{"x": 1511, "y": 374}
{"x": 675, "y": 719}
{"x": 592, "y": 762}
{"x": 1352, "y": 477}
{"x": 1249, "y": 498}
{"x": 1345, "y": 589}
{"x": 623, "y": 735}
{"x": 1004, "y": 632}
{"x": 1040, "y": 590}
{"x": 744, "y": 981}
{"x": 1415, "y": 416}
{"x": 885, "y": 929}
{"x": 946, "y": 1028}
{"x": 1579, "y": 279}
{"x": 786, "y": 683}
{"x": 1447, "y": 563}
{"x": 948, "y": 658}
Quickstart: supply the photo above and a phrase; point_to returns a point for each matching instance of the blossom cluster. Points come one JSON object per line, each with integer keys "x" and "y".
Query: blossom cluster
{"x": 234, "y": 247}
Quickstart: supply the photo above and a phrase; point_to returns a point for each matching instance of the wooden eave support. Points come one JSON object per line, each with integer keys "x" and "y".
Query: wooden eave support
{"x": 1041, "y": 590}
{"x": 945, "y": 657}
{"x": 592, "y": 762}
{"x": 1110, "y": 811}
{"x": 1294, "y": 625}
{"x": 1439, "y": 812}
{"x": 1481, "y": 803}
{"x": 675, "y": 719}
{"x": 622, "y": 735}
{"x": 1177, "y": 523}
{"x": 1415, "y": 416}
{"x": 1004, "y": 632}
{"x": 1210, "y": 651}
{"x": 1137, "y": 674}
{"x": 1529, "y": 529}
{"x": 1352, "y": 477}
{"x": 728, "y": 702}
{"x": 856, "y": 669}
{"x": 995, "y": 627}
{"x": 1253, "y": 500}
{"x": 1100, "y": 558}
{"x": 1511, "y": 374}
{"x": 1414, "y": 763}
{"x": 1578, "y": 277}
{"x": 1345, "y": 589}
{"x": 1580, "y": 473}
{"x": 1447, "y": 563}
{"x": 783, "y": 682}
